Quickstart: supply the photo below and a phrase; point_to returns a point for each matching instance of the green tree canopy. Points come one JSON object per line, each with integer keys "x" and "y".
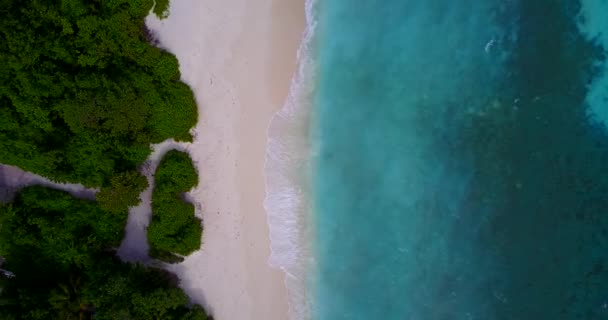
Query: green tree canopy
{"x": 60, "y": 250}
{"x": 50, "y": 224}
{"x": 123, "y": 191}
{"x": 161, "y": 8}
{"x": 174, "y": 228}
{"x": 82, "y": 91}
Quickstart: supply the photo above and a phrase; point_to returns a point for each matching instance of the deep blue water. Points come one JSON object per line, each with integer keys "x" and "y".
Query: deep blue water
{"x": 462, "y": 167}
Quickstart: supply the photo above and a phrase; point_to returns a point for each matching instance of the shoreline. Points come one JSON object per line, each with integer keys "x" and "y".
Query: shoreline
{"x": 239, "y": 59}
{"x": 289, "y": 177}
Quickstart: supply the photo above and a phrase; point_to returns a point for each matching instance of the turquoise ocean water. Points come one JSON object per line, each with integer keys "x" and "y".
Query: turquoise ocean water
{"x": 445, "y": 160}
{"x": 459, "y": 160}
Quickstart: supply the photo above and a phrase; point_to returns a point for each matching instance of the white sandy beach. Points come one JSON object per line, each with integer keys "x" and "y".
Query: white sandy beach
{"x": 239, "y": 57}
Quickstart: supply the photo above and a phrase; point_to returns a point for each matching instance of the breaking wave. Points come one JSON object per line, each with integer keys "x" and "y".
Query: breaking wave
{"x": 288, "y": 171}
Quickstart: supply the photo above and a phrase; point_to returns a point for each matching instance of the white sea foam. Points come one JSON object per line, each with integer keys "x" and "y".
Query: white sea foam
{"x": 288, "y": 172}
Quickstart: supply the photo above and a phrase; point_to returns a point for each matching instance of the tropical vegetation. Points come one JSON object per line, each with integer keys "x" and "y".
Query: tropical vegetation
{"x": 61, "y": 251}
{"x": 84, "y": 92}
{"x": 174, "y": 229}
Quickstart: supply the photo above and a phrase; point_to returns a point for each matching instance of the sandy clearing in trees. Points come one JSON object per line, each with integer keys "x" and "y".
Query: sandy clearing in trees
{"x": 13, "y": 179}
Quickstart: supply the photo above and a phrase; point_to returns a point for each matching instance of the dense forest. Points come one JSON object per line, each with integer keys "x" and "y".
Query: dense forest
{"x": 83, "y": 92}
{"x": 61, "y": 250}
{"x": 83, "y": 95}
{"x": 174, "y": 228}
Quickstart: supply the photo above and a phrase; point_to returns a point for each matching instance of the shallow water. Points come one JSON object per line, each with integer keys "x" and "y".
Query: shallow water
{"x": 460, "y": 160}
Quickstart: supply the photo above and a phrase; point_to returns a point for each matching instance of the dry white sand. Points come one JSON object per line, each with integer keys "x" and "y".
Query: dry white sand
{"x": 239, "y": 57}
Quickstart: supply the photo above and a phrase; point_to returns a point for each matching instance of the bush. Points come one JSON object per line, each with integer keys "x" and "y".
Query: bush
{"x": 174, "y": 115}
{"x": 123, "y": 192}
{"x": 174, "y": 229}
{"x": 161, "y": 8}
